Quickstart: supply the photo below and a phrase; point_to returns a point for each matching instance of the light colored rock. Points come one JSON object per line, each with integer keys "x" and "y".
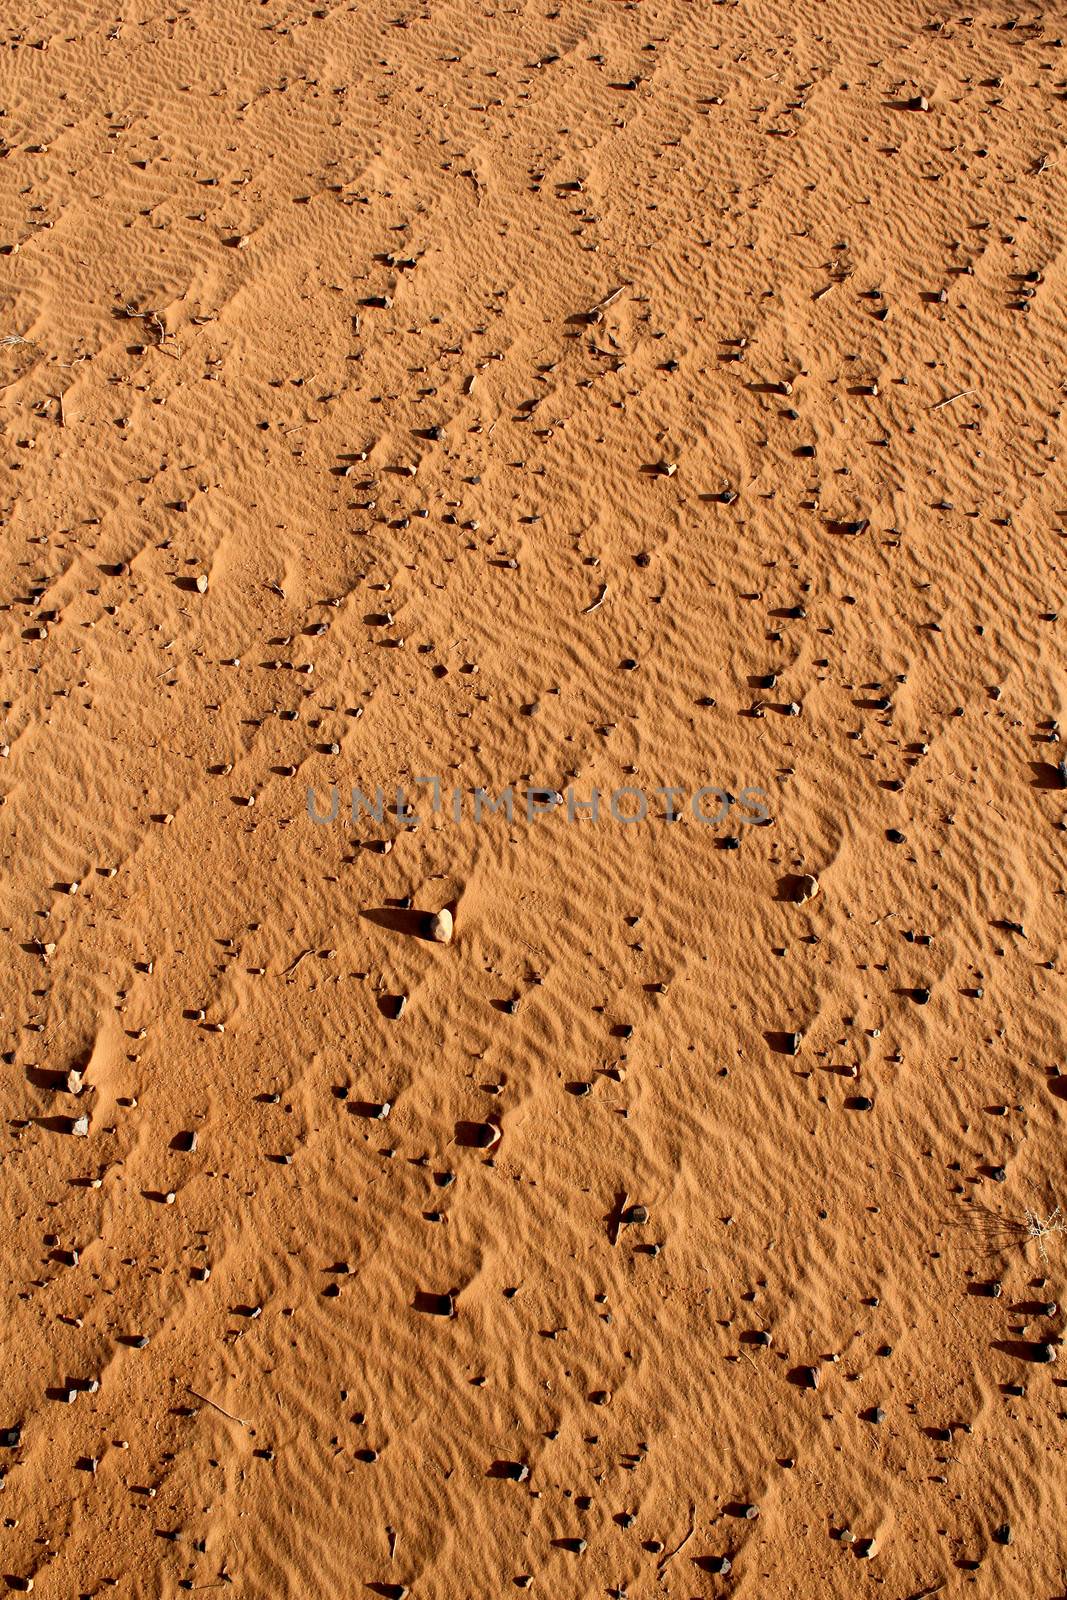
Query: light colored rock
{"x": 440, "y": 926}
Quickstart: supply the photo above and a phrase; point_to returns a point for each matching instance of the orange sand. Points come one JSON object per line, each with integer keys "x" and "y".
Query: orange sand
{"x": 197, "y": 204}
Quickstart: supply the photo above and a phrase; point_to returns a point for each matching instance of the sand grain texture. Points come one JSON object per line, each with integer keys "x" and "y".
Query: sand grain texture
{"x": 344, "y": 351}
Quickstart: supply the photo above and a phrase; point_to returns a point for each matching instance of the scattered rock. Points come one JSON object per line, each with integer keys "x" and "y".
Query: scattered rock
{"x": 720, "y": 1566}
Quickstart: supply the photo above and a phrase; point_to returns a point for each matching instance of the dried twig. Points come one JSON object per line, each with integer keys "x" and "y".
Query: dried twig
{"x": 947, "y": 401}
{"x": 1014, "y": 1233}
{"x": 1041, "y": 1228}
{"x": 610, "y": 298}
{"x": 670, "y": 1554}
{"x": 216, "y": 1407}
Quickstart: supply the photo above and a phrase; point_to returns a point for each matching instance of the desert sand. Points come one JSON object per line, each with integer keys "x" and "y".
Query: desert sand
{"x": 637, "y": 396}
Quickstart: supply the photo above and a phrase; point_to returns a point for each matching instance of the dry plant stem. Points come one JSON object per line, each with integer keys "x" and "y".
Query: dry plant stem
{"x": 216, "y": 1407}
{"x": 670, "y": 1554}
